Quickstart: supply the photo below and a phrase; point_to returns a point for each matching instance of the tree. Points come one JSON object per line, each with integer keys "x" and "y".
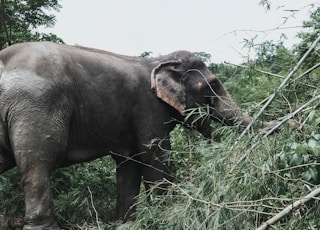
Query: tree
{"x": 146, "y": 54}
{"x": 205, "y": 57}
{"x": 20, "y": 18}
{"x": 311, "y": 32}
{"x": 274, "y": 57}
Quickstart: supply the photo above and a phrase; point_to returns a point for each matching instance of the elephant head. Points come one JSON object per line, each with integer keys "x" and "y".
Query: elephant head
{"x": 184, "y": 82}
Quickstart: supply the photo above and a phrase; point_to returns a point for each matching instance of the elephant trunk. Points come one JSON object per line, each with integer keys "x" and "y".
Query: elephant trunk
{"x": 227, "y": 112}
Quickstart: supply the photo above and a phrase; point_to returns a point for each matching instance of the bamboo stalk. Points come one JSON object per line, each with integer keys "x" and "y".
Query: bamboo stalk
{"x": 282, "y": 85}
{"x": 288, "y": 117}
{"x": 291, "y": 115}
{"x": 289, "y": 209}
{"x": 307, "y": 71}
{"x": 258, "y": 70}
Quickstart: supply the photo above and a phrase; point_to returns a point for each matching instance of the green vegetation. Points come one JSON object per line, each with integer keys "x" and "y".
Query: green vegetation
{"x": 19, "y": 19}
{"x": 229, "y": 183}
{"x": 234, "y": 182}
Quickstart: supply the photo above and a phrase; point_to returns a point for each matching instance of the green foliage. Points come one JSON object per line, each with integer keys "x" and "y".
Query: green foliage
{"x": 183, "y": 142}
{"x": 19, "y": 19}
{"x": 12, "y": 200}
{"x": 146, "y": 54}
{"x": 83, "y": 191}
{"x": 266, "y": 4}
{"x": 274, "y": 57}
{"x": 205, "y": 57}
{"x": 308, "y": 35}
{"x": 299, "y": 158}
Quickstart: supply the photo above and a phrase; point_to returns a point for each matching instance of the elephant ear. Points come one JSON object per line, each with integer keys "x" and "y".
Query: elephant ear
{"x": 166, "y": 82}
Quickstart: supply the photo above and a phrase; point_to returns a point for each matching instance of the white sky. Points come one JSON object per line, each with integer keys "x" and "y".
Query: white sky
{"x": 132, "y": 27}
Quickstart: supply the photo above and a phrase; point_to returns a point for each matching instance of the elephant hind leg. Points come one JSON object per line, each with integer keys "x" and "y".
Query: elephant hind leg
{"x": 38, "y": 198}
{"x": 38, "y": 147}
{"x": 6, "y": 164}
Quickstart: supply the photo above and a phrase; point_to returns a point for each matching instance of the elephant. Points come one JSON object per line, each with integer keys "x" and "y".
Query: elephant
{"x": 62, "y": 104}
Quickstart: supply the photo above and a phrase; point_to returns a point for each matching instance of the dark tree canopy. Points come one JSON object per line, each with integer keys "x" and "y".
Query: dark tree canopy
{"x": 20, "y": 18}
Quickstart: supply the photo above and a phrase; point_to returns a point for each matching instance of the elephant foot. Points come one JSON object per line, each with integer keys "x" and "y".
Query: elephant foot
{"x": 42, "y": 227}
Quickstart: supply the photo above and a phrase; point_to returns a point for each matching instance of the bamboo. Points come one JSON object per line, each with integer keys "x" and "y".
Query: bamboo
{"x": 289, "y": 209}
{"x": 258, "y": 70}
{"x": 282, "y": 85}
{"x": 271, "y": 99}
{"x": 289, "y": 116}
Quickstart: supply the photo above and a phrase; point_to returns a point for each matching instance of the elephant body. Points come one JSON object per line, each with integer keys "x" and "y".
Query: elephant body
{"x": 61, "y": 105}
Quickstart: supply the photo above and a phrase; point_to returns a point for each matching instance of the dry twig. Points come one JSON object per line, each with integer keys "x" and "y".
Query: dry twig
{"x": 95, "y": 210}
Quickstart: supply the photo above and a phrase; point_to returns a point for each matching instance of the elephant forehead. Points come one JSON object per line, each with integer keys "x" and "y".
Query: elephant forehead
{"x": 187, "y": 58}
{"x": 182, "y": 54}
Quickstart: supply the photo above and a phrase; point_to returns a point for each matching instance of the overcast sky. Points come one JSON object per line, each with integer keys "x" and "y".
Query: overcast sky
{"x": 214, "y": 26}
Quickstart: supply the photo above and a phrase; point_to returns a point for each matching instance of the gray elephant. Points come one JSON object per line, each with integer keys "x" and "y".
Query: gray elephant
{"x": 62, "y": 105}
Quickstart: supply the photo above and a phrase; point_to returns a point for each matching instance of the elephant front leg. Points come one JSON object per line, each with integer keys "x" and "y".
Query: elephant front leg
{"x": 154, "y": 175}
{"x": 155, "y": 170}
{"x": 128, "y": 186}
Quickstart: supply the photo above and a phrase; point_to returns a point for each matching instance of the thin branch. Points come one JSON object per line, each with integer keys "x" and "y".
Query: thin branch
{"x": 257, "y": 70}
{"x": 132, "y": 158}
{"x": 295, "y": 167}
{"x": 289, "y": 209}
{"x": 307, "y": 71}
{"x": 265, "y": 31}
{"x": 191, "y": 197}
{"x": 94, "y": 209}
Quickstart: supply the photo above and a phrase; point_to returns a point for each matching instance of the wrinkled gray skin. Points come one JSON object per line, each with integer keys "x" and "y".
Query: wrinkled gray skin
{"x": 61, "y": 105}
